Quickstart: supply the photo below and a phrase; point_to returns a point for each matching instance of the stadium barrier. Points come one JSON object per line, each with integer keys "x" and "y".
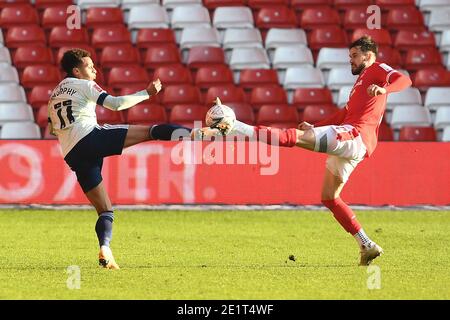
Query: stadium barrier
{"x": 398, "y": 173}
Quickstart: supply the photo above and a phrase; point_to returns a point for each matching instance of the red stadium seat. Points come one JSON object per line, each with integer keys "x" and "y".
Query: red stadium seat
{"x": 390, "y": 56}
{"x": 120, "y": 77}
{"x": 40, "y": 95}
{"x": 391, "y": 4}
{"x": 267, "y": 95}
{"x": 119, "y": 56}
{"x": 9, "y": 3}
{"x": 271, "y": 114}
{"x": 327, "y": 36}
{"x": 186, "y": 114}
{"x": 312, "y": 18}
{"x": 100, "y": 17}
{"x": 180, "y": 94}
{"x": 86, "y": 47}
{"x": 147, "y": 114}
{"x": 385, "y": 132}
{"x": 405, "y": 18}
{"x": 300, "y": 5}
{"x": 308, "y": 96}
{"x": 18, "y": 15}
{"x": 173, "y": 74}
{"x": 422, "y": 57}
{"x": 29, "y": 35}
{"x": 259, "y": 4}
{"x": 210, "y": 76}
{"x": 252, "y": 78}
{"x": 276, "y": 17}
{"x": 346, "y": 5}
{"x": 213, "y": 4}
{"x": 244, "y": 112}
{"x": 108, "y": 116}
{"x": 42, "y": 116}
{"x": 39, "y": 75}
{"x": 407, "y": 39}
{"x": 431, "y": 77}
{"x": 43, "y": 4}
{"x": 226, "y": 93}
{"x": 149, "y": 37}
{"x": 316, "y": 113}
{"x": 205, "y": 56}
{"x": 61, "y": 36}
{"x": 380, "y": 36}
{"x": 110, "y": 35}
{"x": 355, "y": 18}
{"x": 164, "y": 54}
{"x": 54, "y": 16}
{"x": 30, "y": 55}
{"x": 417, "y": 134}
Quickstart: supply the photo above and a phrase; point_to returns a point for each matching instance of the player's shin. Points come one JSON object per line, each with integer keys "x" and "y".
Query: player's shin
{"x": 103, "y": 228}
{"x": 269, "y": 135}
{"x": 168, "y": 132}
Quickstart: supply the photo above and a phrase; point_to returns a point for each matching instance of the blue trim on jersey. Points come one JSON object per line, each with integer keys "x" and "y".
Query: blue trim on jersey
{"x": 101, "y": 98}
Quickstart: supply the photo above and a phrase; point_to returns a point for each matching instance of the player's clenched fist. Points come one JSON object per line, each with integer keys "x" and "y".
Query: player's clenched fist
{"x": 374, "y": 90}
{"x": 154, "y": 87}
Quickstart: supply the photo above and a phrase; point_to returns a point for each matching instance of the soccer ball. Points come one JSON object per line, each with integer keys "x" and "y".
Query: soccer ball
{"x": 221, "y": 117}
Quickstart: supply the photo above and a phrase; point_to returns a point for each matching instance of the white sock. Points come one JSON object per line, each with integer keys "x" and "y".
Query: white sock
{"x": 363, "y": 240}
{"x": 243, "y": 129}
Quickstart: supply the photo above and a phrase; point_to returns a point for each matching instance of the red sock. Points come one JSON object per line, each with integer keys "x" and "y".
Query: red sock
{"x": 284, "y": 137}
{"x": 343, "y": 214}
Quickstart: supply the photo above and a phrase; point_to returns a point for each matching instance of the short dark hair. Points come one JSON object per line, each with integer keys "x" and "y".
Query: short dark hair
{"x": 366, "y": 44}
{"x": 73, "y": 58}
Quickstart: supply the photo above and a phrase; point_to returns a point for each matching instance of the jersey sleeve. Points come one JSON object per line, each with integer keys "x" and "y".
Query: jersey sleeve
{"x": 95, "y": 93}
{"x": 384, "y": 73}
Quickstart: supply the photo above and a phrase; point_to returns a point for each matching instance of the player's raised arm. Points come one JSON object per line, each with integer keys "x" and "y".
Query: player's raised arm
{"x": 128, "y": 101}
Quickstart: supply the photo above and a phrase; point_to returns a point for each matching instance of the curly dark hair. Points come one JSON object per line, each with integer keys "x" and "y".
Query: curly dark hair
{"x": 73, "y": 58}
{"x": 366, "y": 44}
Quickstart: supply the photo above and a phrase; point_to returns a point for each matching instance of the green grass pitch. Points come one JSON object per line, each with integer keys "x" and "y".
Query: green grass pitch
{"x": 224, "y": 255}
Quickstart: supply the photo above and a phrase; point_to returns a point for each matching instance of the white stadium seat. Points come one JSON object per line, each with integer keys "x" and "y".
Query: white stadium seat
{"x": 14, "y": 112}
{"x": 84, "y": 4}
{"x": 303, "y": 77}
{"x": 439, "y": 19}
{"x": 148, "y": 16}
{"x": 128, "y": 4}
{"x": 8, "y": 73}
{"x": 329, "y": 58}
{"x": 289, "y": 57}
{"x": 171, "y": 4}
{"x": 11, "y": 92}
{"x": 410, "y": 116}
{"x": 194, "y": 36}
{"x": 344, "y": 93}
{"x": 429, "y": 5}
{"x": 437, "y": 97}
{"x": 190, "y": 16}
{"x": 446, "y": 134}
{"x": 4, "y": 55}
{"x": 249, "y": 58}
{"x": 20, "y": 130}
{"x": 409, "y": 96}
{"x": 233, "y": 17}
{"x": 442, "y": 118}
{"x": 242, "y": 38}
{"x": 340, "y": 77}
{"x": 445, "y": 41}
{"x": 285, "y": 37}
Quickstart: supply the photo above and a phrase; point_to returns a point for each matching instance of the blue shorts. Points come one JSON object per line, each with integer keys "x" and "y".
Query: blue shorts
{"x": 86, "y": 157}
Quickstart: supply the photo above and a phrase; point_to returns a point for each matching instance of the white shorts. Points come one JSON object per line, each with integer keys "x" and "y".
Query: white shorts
{"x": 344, "y": 146}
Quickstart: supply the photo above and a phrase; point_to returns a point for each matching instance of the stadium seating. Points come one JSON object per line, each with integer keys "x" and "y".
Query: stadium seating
{"x": 339, "y": 77}
{"x": 292, "y": 56}
{"x": 251, "y": 78}
{"x": 327, "y": 36}
{"x": 5, "y": 57}
{"x": 409, "y": 96}
{"x": 226, "y": 93}
{"x": 108, "y": 116}
{"x": 303, "y": 77}
{"x": 188, "y": 114}
{"x": 148, "y": 16}
{"x": 159, "y": 55}
{"x": 390, "y": 56}
{"x": 420, "y": 58}
{"x": 439, "y": 20}
{"x": 381, "y": 36}
{"x": 239, "y": 38}
{"x": 407, "y": 39}
{"x": 245, "y": 58}
{"x": 120, "y": 77}
{"x": 41, "y": 5}
{"x": 410, "y": 116}
{"x": 84, "y": 4}
{"x": 233, "y": 17}
{"x": 275, "y": 17}
{"x": 40, "y": 74}
{"x": 172, "y": 4}
{"x": 315, "y": 113}
{"x": 40, "y": 95}
{"x": 437, "y": 97}
{"x": 278, "y": 116}
{"x": 31, "y": 55}
{"x": 99, "y": 17}
{"x": 180, "y": 94}
{"x": 19, "y": 36}
{"x": 15, "y": 112}
{"x": 18, "y": 15}
{"x": 442, "y": 118}
{"x": 417, "y": 134}
{"x": 110, "y": 35}
{"x": 316, "y": 17}
{"x": 148, "y": 37}
{"x": 405, "y": 18}
{"x": 244, "y": 112}
{"x": 267, "y": 95}
{"x": 118, "y": 56}
{"x": 8, "y": 74}
{"x": 446, "y": 134}
{"x": 280, "y": 37}
{"x": 173, "y": 74}
{"x": 300, "y": 5}
{"x": 309, "y": 96}
{"x": 11, "y": 93}
{"x": 199, "y": 36}
{"x": 147, "y": 114}
{"x": 355, "y": 17}
{"x": 432, "y": 77}
{"x": 86, "y": 47}
{"x": 20, "y": 130}
{"x": 190, "y": 16}
{"x": 205, "y": 56}
{"x": 330, "y": 58}
{"x": 210, "y": 76}
{"x": 60, "y": 36}
{"x": 54, "y": 16}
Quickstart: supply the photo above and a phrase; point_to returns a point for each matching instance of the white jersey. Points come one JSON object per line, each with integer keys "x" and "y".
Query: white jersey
{"x": 71, "y": 110}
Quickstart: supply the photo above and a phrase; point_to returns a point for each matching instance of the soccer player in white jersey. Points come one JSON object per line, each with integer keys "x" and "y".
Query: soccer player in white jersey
{"x": 348, "y": 137}
{"x": 84, "y": 144}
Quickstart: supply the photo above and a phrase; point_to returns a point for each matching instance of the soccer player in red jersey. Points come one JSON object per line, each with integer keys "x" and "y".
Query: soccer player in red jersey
{"x": 349, "y": 136}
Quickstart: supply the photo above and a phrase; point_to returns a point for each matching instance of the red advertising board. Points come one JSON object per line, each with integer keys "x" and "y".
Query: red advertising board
{"x": 33, "y": 172}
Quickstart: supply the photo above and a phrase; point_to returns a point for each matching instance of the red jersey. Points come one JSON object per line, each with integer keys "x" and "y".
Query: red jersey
{"x": 363, "y": 111}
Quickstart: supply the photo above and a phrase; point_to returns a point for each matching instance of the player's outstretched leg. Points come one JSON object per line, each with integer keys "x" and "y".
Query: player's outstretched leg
{"x": 103, "y": 228}
{"x": 332, "y": 187}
